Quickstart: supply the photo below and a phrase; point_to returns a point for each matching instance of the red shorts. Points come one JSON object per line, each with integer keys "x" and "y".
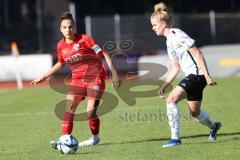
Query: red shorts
{"x": 93, "y": 89}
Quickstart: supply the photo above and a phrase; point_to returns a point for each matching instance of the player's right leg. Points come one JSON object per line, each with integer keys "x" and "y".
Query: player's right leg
{"x": 72, "y": 103}
{"x": 173, "y": 115}
{"x": 195, "y": 95}
{"x": 94, "y": 123}
{"x": 67, "y": 123}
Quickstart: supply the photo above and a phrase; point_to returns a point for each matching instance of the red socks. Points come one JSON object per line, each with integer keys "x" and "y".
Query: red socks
{"x": 94, "y": 124}
{"x": 67, "y": 124}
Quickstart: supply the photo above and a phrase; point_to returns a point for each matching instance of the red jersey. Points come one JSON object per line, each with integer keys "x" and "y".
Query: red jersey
{"x": 82, "y": 56}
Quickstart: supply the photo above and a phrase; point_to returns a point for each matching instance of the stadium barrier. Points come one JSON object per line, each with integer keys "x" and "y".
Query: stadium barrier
{"x": 29, "y": 66}
{"x": 222, "y": 61}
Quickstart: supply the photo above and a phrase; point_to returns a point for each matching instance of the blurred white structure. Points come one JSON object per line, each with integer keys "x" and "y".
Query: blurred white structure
{"x": 222, "y": 61}
{"x": 29, "y": 66}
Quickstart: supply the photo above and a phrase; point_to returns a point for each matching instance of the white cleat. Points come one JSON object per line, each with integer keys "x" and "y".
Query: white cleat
{"x": 90, "y": 142}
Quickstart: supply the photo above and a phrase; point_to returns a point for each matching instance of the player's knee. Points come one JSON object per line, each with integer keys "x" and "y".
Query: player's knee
{"x": 71, "y": 108}
{"x": 171, "y": 99}
{"x": 91, "y": 114}
{"x": 96, "y": 103}
{"x": 195, "y": 113}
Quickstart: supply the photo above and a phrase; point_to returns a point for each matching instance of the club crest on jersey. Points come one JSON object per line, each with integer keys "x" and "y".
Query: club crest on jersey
{"x": 76, "y": 47}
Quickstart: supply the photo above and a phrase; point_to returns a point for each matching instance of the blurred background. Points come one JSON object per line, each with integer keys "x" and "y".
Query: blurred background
{"x": 34, "y": 26}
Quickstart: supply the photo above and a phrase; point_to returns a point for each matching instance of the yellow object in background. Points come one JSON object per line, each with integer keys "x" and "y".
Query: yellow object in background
{"x": 14, "y": 49}
{"x": 229, "y": 62}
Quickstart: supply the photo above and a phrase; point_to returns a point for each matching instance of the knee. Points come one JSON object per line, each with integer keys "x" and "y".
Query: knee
{"x": 70, "y": 109}
{"x": 92, "y": 110}
{"x": 195, "y": 113}
{"x": 71, "y": 106}
{"x": 170, "y": 99}
{"x": 91, "y": 114}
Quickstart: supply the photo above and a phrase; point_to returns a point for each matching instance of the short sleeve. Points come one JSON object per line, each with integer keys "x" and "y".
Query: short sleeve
{"x": 171, "y": 51}
{"x": 184, "y": 40}
{"x": 95, "y": 47}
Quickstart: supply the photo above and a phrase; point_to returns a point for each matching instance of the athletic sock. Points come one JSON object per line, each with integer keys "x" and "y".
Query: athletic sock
{"x": 173, "y": 119}
{"x": 204, "y": 119}
{"x": 94, "y": 124}
{"x": 67, "y": 123}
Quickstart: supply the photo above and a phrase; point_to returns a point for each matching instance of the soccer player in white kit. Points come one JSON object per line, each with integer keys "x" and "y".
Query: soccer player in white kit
{"x": 183, "y": 54}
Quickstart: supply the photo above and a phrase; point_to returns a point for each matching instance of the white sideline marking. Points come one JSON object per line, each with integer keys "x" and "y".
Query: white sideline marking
{"x": 25, "y": 114}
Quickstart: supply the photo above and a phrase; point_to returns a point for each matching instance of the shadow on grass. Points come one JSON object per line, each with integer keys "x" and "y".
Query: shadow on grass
{"x": 183, "y": 137}
{"x": 219, "y": 140}
{"x": 79, "y": 152}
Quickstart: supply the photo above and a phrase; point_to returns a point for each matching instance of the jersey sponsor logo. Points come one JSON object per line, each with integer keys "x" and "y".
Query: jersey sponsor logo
{"x": 74, "y": 59}
{"x": 76, "y": 47}
{"x": 96, "y": 48}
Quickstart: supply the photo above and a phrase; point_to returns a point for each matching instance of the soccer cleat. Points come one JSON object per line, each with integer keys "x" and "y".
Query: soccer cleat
{"x": 213, "y": 133}
{"x": 90, "y": 142}
{"x": 54, "y": 144}
{"x": 172, "y": 143}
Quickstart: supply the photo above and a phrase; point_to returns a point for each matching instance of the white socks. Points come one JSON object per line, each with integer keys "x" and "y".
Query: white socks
{"x": 204, "y": 119}
{"x": 95, "y": 136}
{"x": 173, "y": 119}
{"x": 173, "y": 116}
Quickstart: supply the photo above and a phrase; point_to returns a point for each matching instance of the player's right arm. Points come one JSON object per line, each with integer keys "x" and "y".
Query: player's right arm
{"x": 171, "y": 76}
{"x": 53, "y": 70}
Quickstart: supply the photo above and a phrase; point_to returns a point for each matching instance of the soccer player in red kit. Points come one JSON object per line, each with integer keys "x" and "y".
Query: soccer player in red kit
{"x": 82, "y": 55}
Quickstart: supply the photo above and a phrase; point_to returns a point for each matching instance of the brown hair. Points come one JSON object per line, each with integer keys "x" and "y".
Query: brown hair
{"x": 67, "y": 15}
{"x": 161, "y": 12}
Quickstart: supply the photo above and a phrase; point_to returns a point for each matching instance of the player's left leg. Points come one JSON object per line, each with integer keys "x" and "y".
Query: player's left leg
{"x": 94, "y": 123}
{"x": 204, "y": 119}
{"x": 94, "y": 93}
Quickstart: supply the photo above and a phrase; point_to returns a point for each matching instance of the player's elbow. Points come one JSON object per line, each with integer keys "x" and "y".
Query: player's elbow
{"x": 176, "y": 69}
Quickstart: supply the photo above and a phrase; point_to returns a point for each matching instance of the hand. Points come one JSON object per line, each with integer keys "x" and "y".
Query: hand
{"x": 160, "y": 93}
{"x": 38, "y": 80}
{"x": 116, "y": 81}
{"x": 210, "y": 81}
{"x": 162, "y": 90}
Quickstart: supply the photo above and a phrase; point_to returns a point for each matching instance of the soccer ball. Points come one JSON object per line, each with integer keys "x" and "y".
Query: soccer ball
{"x": 67, "y": 144}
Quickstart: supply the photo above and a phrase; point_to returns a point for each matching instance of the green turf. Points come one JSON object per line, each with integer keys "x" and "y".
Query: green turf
{"x": 28, "y": 123}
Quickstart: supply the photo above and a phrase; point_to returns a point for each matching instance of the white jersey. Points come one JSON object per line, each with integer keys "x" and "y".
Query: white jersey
{"x": 178, "y": 43}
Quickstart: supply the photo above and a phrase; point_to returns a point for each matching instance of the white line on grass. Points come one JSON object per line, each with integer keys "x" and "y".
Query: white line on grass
{"x": 25, "y": 114}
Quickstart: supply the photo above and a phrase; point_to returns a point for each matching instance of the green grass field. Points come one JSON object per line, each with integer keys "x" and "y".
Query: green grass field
{"x": 28, "y": 123}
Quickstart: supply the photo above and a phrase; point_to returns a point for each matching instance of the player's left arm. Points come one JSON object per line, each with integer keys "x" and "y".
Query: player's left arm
{"x": 195, "y": 51}
{"x": 115, "y": 78}
{"x": 98, "y": 50}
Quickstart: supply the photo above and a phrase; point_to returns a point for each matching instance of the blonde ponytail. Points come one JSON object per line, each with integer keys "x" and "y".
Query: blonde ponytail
{"x": 160, "y": 7}
{"x": 161, "y": 12}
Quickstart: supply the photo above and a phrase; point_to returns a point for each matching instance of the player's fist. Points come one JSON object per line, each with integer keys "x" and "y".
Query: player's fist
{"x": 38, "y": 80}
{"x": 116, "y": 81}
{"x": 161, "y": 93}
{"x": 210, "y": 81}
